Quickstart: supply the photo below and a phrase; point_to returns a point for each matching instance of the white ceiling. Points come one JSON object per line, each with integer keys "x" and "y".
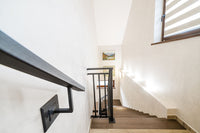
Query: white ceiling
{"x": 111, "y": 17}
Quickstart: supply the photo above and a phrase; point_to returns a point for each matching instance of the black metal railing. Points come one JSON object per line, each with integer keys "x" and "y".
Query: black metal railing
{"x": 105, "y": 111}
{"x": 14, "y": 55}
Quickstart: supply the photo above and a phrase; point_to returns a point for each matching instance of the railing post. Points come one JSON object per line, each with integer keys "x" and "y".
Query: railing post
{"x": 110, "y": 96}
{"x": 94, "y": 96}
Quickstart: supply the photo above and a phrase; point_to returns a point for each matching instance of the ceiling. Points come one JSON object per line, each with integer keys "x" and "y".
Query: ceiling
{"x": 111, "y": 17}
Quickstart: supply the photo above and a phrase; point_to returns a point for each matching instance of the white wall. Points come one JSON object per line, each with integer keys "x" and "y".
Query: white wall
{"x": 111, "y": 18}
{"x": 116, "y": 63}
{"x": 170, "y": 71}
{"x": 133, "y": 95}
{"x": 62, "y": 33}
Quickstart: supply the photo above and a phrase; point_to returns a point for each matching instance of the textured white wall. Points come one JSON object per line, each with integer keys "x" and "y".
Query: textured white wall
{"x": 133, "y": 95}
{"x": 169, "y": 71}
{"x": 62, "y": 33}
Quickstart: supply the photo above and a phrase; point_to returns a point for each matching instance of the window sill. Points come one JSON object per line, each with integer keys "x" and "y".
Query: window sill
{"x": 167, "y": 41}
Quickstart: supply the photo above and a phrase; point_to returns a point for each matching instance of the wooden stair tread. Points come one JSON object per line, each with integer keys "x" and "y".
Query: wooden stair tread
{"x": 125, "y": 112}
{"x": 131, "y": 119}
{"x": 117, "y": 102}
{"x": 136, "y": 123}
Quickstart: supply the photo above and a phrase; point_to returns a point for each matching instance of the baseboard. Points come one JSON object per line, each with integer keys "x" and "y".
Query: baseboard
{"x": 184, "y": 124}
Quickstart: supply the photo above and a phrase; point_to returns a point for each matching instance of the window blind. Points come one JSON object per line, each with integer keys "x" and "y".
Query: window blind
{"x": 181, "y": 17}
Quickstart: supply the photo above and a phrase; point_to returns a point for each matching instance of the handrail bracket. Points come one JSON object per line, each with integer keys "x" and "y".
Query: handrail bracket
{"x": 50, "y": 110}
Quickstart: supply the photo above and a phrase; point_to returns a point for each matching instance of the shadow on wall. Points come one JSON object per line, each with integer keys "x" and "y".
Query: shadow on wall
{"x": 135, "y": 97}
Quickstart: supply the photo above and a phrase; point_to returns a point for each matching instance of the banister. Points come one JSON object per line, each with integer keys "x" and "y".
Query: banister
{"x": 109, "y": 90}
{"x": 101, "y": 68}
{"x": 96, "y": 73}
{"x": 16, "y": 56}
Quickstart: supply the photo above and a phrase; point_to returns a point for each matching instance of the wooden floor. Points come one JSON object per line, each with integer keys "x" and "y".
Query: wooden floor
{"x": 131, "y": 119}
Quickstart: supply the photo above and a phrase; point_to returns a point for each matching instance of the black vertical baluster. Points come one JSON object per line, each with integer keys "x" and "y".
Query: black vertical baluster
{"x": 94, "y": 95}
{"x": 105, "y": 92}
{"x": 99, "y": 95}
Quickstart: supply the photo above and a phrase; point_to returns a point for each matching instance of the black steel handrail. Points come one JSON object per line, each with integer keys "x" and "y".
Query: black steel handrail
{"x": 14, "y": 55}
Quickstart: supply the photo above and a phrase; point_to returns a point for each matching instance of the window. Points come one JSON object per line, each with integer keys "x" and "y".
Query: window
{"x": 181, "y": 19}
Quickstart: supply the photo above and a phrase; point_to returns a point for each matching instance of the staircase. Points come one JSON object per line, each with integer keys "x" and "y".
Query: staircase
{"x": 132, "y": 121}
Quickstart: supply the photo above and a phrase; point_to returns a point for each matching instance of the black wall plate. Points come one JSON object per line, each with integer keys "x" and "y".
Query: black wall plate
{"x": 47, "y": 117}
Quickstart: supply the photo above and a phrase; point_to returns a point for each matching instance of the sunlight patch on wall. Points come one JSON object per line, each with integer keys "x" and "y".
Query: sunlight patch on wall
{"x": 148, "y": 85}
